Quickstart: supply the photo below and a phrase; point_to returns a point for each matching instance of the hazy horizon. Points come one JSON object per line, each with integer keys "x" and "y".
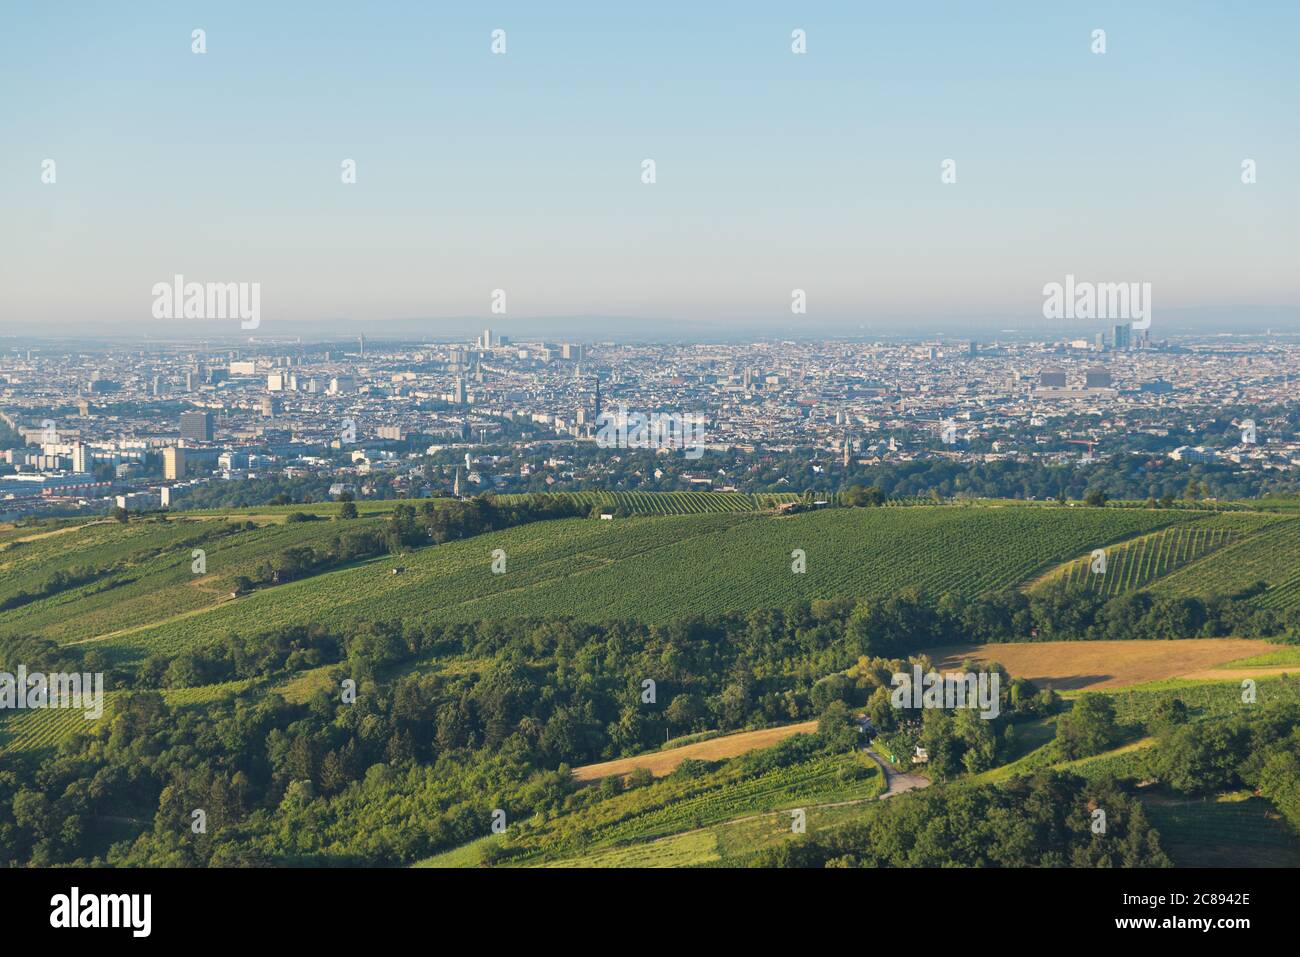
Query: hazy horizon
{"x": 774, "y": 171}
{"x": 1191, "y": 323}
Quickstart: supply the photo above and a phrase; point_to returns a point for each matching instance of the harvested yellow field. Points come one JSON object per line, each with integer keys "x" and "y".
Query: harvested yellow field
{"x": 1071, "y": 665}
{"x": 660, "y": 763}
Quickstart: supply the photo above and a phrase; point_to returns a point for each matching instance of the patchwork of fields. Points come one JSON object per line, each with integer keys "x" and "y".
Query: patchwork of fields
{"x": 133, "y": 592}
{"x": 626, "y": 830}
{"x": 660, "y": 569}
{"x": 718, "y": 819}
{"x": 143, "y": 596}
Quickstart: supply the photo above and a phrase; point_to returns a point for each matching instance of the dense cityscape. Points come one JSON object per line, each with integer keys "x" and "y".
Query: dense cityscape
{"x": 171, "y": 426}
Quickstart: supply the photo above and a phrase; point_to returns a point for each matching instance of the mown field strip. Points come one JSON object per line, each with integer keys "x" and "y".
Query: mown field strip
{"x": 660, "y": 763}
{"x": 1095, "y": 665}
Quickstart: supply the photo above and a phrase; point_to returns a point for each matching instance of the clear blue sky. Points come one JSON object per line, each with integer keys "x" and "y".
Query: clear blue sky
{"x": 522, "y": 171}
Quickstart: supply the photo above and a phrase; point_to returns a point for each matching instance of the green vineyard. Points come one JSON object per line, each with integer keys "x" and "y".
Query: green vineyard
{"x": 1139, "y": 562}
{"x": 699, "y": 503}
{"x": 672, "y": 805}
{"x": 718, "y": 552}
{"x": 49, "y": 727}
{"x": 143, "y": 572}
{"x": 658, "y": 569}
{"x": 779, "y": 788}
{"x": 1271, "y": 556}
{"x": 674, "y": 503}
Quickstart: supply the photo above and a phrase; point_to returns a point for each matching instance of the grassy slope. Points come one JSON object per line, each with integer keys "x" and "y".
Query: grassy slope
{"x": 148, "y": 572}
{"x": 632, "y": 822}
{"x": 659, "y": 569}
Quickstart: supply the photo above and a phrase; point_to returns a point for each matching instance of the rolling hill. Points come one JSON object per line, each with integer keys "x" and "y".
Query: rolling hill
{"x": 659, "y": 569}
{"x": 129, "y": 589}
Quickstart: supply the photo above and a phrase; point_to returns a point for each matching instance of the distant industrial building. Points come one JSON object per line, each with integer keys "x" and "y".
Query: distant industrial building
{"x": 1051, "y": 380}
{"x": 1096, "y": 379}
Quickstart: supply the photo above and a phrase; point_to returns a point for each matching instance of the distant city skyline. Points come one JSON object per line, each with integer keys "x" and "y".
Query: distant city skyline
{"x": 774, "y": 171}
{"x": 1252, "y": 323}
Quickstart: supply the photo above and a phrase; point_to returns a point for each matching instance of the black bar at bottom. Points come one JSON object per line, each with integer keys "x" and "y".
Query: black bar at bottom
{"x": 335, "y": 906}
